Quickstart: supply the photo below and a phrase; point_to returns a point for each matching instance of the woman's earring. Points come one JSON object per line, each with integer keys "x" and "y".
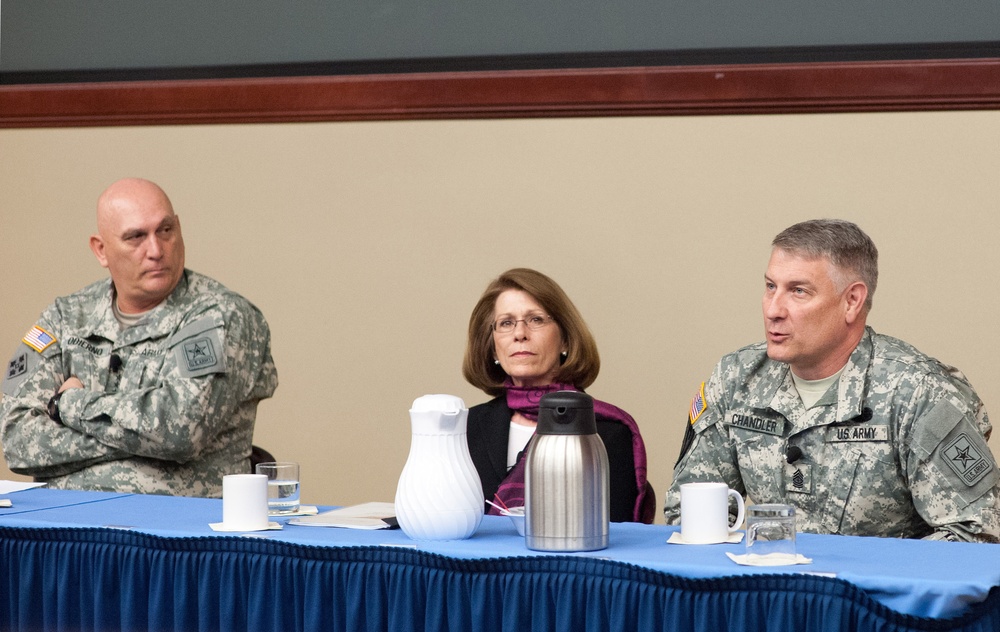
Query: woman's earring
{"x": 496, "y": 362}
{"x": 564, "y": 354}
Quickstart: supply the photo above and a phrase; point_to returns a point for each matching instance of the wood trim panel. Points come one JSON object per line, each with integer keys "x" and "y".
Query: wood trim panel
{"x": 960, "y": 84}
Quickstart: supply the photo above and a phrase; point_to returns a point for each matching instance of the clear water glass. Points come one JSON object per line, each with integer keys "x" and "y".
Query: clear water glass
{"x": 282, "y": 487}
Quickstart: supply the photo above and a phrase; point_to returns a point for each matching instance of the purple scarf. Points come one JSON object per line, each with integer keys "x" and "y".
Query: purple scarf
{"x": 525, "y": 400}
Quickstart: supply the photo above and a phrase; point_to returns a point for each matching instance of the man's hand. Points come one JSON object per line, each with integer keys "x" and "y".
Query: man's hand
{"x": 71, "y": 382}
{"x": 52, "y": 408}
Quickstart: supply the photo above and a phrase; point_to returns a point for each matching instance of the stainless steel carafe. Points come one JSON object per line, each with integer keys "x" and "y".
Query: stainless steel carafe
{"x": 567, "y": 503}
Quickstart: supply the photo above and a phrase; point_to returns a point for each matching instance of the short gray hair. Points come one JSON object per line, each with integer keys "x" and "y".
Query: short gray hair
{"x": 848, "y": 248}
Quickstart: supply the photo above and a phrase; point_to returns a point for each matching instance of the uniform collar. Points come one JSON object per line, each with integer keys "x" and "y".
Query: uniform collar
{"x": 854, "y": 380}
{"x": 159, "y": 321}
{"x": 776, "y": 390}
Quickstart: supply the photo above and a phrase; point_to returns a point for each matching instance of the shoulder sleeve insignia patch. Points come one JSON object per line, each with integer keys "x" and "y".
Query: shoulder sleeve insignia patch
{"x": 966, "y": 461}
{"x": 38, "y": 339}
{"x": 19, "y": 368}
{"x": 202, "y": 354}
{"x": 699, "y": 404}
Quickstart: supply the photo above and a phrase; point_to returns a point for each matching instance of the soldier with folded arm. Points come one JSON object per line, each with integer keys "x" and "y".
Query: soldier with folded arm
{"x": 147, "y": 381}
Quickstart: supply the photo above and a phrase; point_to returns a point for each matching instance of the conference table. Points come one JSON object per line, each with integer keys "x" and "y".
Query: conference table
{"x": 72, "y": 560}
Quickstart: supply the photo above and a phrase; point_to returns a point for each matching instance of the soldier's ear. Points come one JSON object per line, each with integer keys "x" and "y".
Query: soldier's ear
{"x": 97, "y": 247}
{"x": 854, "y": 301}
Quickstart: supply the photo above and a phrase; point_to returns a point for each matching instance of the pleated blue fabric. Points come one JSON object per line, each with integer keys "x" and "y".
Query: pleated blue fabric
{"x": 105, "y": 579}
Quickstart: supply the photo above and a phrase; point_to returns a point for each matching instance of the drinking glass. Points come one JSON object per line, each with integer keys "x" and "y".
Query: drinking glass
{"x": 771, "y": 533}
{"x": 282, "y": 487}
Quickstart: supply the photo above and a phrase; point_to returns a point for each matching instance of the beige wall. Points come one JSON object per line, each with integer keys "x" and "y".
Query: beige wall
{"x": 366, "y": 245}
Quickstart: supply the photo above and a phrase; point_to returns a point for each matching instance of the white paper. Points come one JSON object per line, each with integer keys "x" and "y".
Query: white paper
{"x": 9, "y": 487}
{"x": 773, "y": 559}
{"x": 304, "y": 510}
{"x": 364, "y": 516}
{"x": 735, "y": 537}
{"x": 221, "y": 526}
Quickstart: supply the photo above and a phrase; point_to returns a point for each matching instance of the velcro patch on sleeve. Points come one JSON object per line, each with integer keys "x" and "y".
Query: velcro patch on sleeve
{"x": 954, "y": 445}
{"x": 965, "y": 456}
{"x": 38, "y": 339}
{"x": 698, "y": 404}
{"x": 19, "y": 368}
{"x": 198, "y": 349}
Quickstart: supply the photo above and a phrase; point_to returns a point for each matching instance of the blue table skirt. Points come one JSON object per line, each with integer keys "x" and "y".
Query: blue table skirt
{"x": 106, "y": 579}
{"x": 144, "y": 562}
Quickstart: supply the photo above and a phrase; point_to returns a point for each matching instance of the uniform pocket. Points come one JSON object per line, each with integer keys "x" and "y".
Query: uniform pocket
{"x": 141, "y": 372}
{"x": 755, "y": 455}
{"x": 863, "y": 488}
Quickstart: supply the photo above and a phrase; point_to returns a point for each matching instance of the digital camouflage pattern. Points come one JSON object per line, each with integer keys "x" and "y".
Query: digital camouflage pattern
{"x": 896, "y": 448}
{"x": 174, "y": 418}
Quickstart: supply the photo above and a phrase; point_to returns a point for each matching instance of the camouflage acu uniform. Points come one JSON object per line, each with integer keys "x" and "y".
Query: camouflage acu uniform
{"x": 168, "y": 405}
{"x": 896, "y": 448}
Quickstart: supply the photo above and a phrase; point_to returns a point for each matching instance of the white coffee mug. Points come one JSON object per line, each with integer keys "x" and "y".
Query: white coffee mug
{"x": 705, "y": 512}
{"x": 244, "y": 502}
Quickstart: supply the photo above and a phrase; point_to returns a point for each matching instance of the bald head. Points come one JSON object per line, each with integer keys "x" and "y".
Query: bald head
{"x": 139, "y": 241}
{"x": 122, "y": 196}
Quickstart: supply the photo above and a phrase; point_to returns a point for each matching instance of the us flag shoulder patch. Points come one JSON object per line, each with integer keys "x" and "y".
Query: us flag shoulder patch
{"x": 698, "y": 404}
{"x": 38, "y": 339}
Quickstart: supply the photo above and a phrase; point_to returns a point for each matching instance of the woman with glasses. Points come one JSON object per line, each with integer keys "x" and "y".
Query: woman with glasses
{"x": 526, "y": 339}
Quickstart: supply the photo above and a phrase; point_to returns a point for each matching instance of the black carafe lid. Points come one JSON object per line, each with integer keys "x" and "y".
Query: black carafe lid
{"x": 566, "y": 413}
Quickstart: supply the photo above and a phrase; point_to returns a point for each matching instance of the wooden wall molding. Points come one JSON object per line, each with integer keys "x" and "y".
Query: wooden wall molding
{"x": 957, "y": 84}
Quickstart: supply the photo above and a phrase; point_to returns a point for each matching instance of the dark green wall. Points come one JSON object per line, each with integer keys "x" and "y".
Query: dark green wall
{"x": 73, "y": 35}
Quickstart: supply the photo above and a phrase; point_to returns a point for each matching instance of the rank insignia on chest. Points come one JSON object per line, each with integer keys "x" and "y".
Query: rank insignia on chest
{"x": 798, "y": 478}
